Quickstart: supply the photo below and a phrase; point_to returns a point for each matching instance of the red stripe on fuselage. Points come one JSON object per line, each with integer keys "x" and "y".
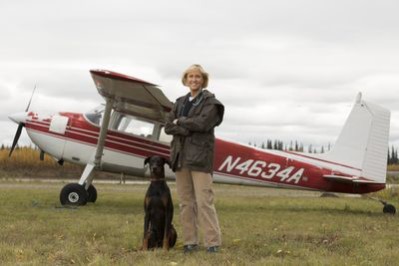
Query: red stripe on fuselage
{"x": 115, "y": 141}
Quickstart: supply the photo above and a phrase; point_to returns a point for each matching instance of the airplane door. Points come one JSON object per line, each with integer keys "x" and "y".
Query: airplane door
{"x": 58, "y": 126}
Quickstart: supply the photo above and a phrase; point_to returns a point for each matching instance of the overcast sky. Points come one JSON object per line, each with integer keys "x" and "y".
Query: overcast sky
{"x": 288, "y": 69}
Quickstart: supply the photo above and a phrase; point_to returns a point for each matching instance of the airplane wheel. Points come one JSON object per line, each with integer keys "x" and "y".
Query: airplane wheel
{"x": 389, "y": 208}
{"x": 73, "y": 194}
{"x": 92, "y": 194}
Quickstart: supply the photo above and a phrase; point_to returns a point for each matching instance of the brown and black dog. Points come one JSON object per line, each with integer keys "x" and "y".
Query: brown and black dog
{"x": 158, "y": 207}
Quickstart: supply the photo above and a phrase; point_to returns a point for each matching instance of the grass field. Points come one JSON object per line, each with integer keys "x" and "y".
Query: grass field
{"x": 260, "y": 227}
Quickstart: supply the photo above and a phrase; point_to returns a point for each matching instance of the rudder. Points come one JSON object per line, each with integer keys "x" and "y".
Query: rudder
{"x": 363, "y": 141}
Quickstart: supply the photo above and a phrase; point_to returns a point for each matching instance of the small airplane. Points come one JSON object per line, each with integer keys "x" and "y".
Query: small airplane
{"x": 118, "y": 135}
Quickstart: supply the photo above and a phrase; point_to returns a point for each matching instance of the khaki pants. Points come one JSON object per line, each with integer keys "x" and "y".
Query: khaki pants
{"x": 196, "y": 205}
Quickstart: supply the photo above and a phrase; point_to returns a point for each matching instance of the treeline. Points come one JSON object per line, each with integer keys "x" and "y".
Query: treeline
{"x": 393, "y": 155}
{"x": 32, "y": 147}
{"x": 292, "y": 146}
{"x": 299, "y": 147}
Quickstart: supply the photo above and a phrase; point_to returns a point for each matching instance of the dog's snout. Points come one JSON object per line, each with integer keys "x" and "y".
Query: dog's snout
{"x": 155, "y": 167}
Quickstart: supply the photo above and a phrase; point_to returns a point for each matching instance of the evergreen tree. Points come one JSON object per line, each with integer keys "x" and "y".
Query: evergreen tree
{"x": 275, "y": 145}
{"x": 263, "y": 146}
{"x": 269, "y": 144}
{"x": 301, "y": 147}
{"x": 392, "y": 155}
{"x": 280, "y": 145}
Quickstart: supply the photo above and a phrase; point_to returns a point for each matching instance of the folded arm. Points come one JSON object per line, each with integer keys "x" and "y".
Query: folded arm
{"x": 204, "y": 122}
{"x": 173, "y": 129}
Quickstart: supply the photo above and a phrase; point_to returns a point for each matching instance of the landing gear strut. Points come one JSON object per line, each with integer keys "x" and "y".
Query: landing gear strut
{"x": 83, "y": 192}
{"x": 388, "y": 208}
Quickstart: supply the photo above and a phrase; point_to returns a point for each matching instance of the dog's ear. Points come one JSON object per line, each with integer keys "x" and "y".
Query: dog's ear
{"x": 147, "y": 160}
{"x": 166, "y": 161}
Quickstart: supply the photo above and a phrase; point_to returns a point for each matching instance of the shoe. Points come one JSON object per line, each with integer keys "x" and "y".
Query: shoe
{"x": 214, "y": 249}
{"x": 190, "y": 248}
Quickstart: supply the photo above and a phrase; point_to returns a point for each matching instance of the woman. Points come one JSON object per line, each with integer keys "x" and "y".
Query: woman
{"x": 192, "y": 122}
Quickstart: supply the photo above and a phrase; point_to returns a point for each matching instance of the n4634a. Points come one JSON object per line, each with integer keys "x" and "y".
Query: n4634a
{"x": 262, "y": 169}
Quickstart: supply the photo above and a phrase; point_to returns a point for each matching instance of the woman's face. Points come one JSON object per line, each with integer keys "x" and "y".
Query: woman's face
{"x": 194, "y": 80}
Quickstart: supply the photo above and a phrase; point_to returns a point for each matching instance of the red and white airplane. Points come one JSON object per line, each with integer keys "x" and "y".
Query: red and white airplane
{"x": 118, "y": 136}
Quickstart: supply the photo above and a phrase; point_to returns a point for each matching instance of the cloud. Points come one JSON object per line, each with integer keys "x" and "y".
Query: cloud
{"x": 284, "y": 69}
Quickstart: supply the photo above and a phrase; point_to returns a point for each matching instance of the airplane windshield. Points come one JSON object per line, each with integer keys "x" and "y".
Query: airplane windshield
{"x": 96, "y": 115}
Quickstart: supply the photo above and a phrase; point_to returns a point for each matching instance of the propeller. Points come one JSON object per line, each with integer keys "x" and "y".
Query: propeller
{"x": 16, "y": 138}
{"x": 20, "y": 126}
{"x": 30, "y": 100}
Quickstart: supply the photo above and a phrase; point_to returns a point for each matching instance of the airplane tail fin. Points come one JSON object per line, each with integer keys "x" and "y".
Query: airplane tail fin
{"x": 363, "y": 141}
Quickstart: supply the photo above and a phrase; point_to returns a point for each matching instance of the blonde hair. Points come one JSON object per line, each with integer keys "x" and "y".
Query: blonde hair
{"x": 205, "y": 75}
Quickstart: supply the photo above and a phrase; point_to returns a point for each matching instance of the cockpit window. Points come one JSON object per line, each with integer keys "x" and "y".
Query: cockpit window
{"x": 96, "y": 115}
{"x": 122, "y": 122}
{"x": 132, "y": 125}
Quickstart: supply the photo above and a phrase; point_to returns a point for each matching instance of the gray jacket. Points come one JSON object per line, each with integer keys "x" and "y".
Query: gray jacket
{"x": 193, "y": 136}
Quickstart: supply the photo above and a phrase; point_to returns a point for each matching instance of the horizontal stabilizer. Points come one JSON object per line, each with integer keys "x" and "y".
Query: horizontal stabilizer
{"x": 339, "y": 178}
{"x": 349, "y": 179}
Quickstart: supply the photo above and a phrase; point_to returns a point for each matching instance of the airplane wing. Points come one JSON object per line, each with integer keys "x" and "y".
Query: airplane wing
{"x": 131, "y": 95}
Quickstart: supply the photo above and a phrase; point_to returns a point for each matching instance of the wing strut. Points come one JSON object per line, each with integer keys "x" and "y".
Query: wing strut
{"x": 103, "y": 132}
{"x": 87, "y": 177}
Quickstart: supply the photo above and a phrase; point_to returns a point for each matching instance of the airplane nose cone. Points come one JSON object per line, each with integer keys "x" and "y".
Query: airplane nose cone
{"x": 18, "y": 117}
